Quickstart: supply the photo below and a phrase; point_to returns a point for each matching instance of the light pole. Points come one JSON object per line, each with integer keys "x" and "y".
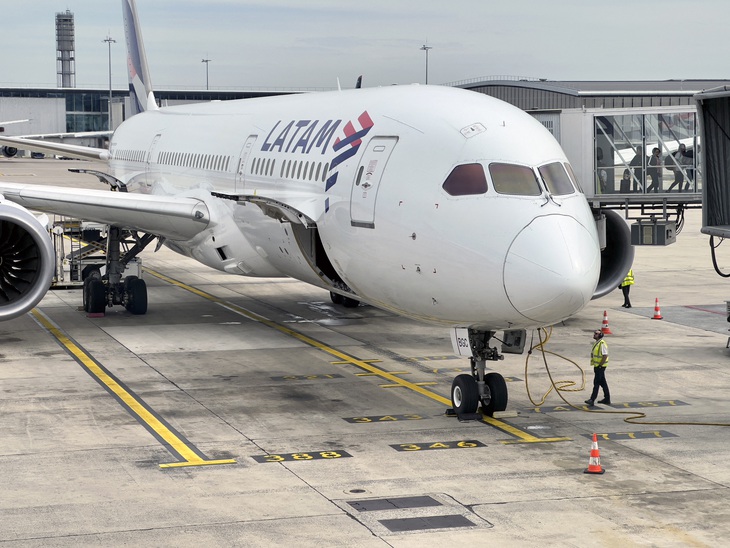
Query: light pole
{"x": 425, "y": 48}
{"x": 109, "y": 41}
{"x": 206, "y": 61}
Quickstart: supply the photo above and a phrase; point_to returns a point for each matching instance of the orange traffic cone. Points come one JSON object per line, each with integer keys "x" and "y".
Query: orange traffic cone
{"x": 594, "y": 463}
{"x": 604, "y": 327}
{"x": 657, "y": 313}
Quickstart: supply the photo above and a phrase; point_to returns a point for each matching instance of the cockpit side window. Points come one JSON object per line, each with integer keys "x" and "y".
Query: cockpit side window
{"x": 465, "y": 180}
{"x": 573, "y": 178}
{"x": 514, "y": 179}
{"x": 556, "y": 179}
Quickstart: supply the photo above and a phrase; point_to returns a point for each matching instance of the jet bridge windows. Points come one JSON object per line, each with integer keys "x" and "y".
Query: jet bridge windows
{"x": 513, "y": 179}
{"x": 646, "y": 152}
{"x": 556, "y": 179}
{"x": 465, "y": 180}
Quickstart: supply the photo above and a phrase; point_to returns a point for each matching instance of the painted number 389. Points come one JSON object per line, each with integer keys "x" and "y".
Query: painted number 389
{"x": 313, "y": 455}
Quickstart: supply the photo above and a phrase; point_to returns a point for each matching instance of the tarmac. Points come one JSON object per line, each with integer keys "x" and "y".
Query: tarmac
{"x": 254, "y": 412}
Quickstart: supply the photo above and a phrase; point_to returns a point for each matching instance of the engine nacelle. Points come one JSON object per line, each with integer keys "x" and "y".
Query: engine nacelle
{"x": 9, "y": 152}
{"x": 27, "y": 260}
{"x": 617, "y": 255}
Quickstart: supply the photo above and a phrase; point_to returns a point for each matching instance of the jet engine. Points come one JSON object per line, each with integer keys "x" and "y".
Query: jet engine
{"x": 8, "y": 152}
{"x": 617, "y": 253}
{"x": 27, "y": 260}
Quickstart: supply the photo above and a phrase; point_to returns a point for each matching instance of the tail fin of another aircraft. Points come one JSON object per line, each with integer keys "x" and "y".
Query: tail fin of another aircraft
{"x": 140, "y": 87}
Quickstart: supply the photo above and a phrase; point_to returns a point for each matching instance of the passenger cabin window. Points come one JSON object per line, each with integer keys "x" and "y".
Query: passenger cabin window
{"x": 466, "y": 180}
{"x": 556, "y": 179}
{"x": 514, "y": 179}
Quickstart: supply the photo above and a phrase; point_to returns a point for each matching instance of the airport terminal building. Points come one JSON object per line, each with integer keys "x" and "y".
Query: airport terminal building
{"x": 601, "y": 125}
{"x": 74, "y": 110}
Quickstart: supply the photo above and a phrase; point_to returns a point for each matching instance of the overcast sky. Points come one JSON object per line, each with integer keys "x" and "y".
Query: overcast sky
{"x": 311, "y": 43}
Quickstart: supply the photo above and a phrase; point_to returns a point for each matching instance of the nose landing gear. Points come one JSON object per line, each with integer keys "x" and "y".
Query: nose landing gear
{"x": 489, "y": 389}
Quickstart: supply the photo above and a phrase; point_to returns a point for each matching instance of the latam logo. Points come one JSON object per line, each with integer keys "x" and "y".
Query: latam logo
{"x": 300, "y": 136}
{"x": 304, "y": 136}
{"x": 348, "y": 146}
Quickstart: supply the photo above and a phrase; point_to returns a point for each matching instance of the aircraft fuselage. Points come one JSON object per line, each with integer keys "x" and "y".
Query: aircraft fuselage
{"x": 346, "y": 190}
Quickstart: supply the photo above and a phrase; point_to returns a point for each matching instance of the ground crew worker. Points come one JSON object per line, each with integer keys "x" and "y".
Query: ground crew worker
{"x": 626, "y": 287}
{"x": 599, "y": 361}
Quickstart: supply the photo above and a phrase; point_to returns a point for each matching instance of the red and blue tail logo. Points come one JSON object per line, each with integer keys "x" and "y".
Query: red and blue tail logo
{"x": 348, "y": 146}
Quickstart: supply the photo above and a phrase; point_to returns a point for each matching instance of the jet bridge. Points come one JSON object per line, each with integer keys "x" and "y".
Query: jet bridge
{"x": 713, "y": 108}
{"x": 639, "y": 160}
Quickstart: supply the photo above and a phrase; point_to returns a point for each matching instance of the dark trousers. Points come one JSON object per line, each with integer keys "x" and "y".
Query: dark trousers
{"x": 599, "y": 379}
{"x": 625, "y": 289}
{"x": 678, "y": 180}
{"x": 654, "y": 186}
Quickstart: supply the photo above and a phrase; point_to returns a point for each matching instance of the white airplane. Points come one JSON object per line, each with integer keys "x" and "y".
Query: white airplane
{"x": 10, "y": 122}
{"x": 435, "y": 203}
{"x": 7, "y": 151}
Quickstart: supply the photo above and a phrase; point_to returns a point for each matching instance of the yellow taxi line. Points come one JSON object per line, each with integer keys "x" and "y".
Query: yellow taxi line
{"x": 175, "y": 443}
{"x": 523, "y": 437}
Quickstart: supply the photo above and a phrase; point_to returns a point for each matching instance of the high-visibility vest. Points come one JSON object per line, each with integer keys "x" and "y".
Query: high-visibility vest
{"x": 597, "y": 353}
{"x": 629, "y": 279}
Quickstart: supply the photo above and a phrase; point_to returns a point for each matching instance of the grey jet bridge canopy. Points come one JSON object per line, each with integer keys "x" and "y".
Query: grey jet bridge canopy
{"x": 713, "y": 109}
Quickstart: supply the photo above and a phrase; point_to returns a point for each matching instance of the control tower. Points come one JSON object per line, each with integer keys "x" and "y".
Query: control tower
{"x": 65, "y": 50}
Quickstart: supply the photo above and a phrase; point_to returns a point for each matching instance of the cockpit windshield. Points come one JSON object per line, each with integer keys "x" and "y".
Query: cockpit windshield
{"x": 556, "y": 179}
{"x": 465, "y": 180}
{"x": 514, "y": 179}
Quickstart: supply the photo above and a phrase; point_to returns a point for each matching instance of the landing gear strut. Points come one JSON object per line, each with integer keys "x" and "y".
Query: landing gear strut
{"x": 468, "y": 390}
{"x": 110, "y": 289}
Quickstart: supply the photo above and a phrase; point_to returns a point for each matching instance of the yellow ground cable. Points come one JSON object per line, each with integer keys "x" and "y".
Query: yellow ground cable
{"x": 636, "y": 415}
{"x": 558, "y": 386}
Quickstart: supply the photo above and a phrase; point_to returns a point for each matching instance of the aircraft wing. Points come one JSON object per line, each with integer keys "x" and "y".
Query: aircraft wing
{"x": 13, "y": 122}
{"x": 72, "y": 151}
{"x": 172, "y": 217}
{"x": 65, "y": 135}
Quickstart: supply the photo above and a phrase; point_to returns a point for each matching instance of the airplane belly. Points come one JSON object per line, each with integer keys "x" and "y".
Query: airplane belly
{"x": 508, "y": 270}
{"x": 438, "y": 286}
{"x": 228, "y": 243}
{"x": 416, "y": 268}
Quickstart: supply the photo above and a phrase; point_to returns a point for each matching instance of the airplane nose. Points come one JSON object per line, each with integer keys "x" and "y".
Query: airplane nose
{"x": 551, "y": 269}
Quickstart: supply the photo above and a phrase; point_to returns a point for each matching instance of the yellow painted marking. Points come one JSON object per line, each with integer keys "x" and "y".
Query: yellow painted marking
{"x": 132, "y": 403}
{"x": 416, "y": 383}
{"x": 366, "y": 361}
{"x": 362, "y": 364}
{"x": 198, "y": 462}
{"x": 375, "y": 374}
{"x": 523, "y": 437}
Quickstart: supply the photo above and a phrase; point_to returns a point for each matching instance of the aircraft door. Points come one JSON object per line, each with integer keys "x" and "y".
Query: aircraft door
{"x": 243, "y": 160}
{"x": 150, "y": 151}
{"x": 367, "y": 181}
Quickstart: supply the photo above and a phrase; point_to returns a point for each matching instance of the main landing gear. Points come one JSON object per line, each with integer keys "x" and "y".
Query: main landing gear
{"x": 111, "y": 288}
{"x": 347, "y": 302}
{"x": 489, "y": 389}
